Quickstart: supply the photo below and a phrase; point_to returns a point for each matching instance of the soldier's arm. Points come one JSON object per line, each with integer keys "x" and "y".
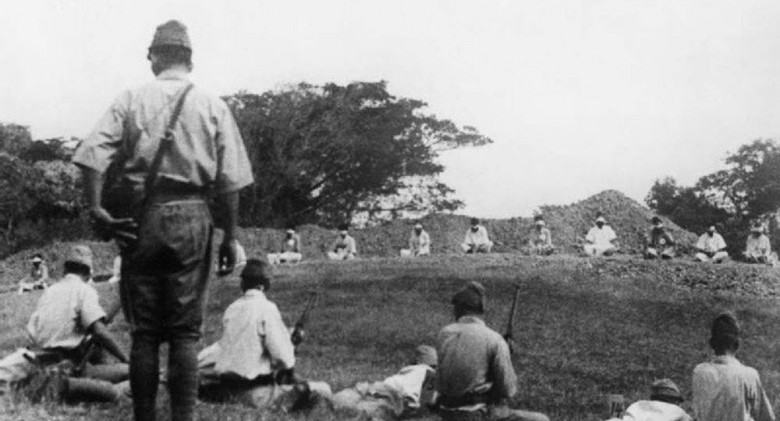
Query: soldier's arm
{"x": 106, "y": 339}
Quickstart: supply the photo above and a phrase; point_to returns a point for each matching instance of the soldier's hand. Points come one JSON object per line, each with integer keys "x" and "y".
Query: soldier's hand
{"x": 510, "y": 343}
{"x": 297, "y": 336}
{"x": 227, "y": 258}
{"x": 121, "y": 229}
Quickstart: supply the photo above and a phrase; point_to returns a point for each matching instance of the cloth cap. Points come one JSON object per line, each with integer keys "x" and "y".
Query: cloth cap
{"x": 418, "y": 226}
{"x": 757, "y": 228}
{"x": 80, "y": 254}
{"x": 667, "y": 389}
{"x": 540, "y": 222}
{"x": 711, "y": 228}
{"x": 290, "y": 231}
{"x": 256, "y": 272}
{"x": 656, "y": 220}
{"x": 425, "y": 354}
{"x": 725, "y": 326}
{"x": 601, "y": 219}
{"x": 474, "y": 221}
{"x": 471, "y": 297}
{"x": 36, "y": 259}
{"x": 171, "y": 33}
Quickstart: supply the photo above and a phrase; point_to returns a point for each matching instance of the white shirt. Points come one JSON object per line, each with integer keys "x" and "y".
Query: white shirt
{"x": 64, "y": 313}
{"x": 603, "y": 236}
{"x": 758, "y": 246}
{"x": 711, "y": 244}
{"x": 654, "y": 411}
{"x": 254, "y": 339}
{"x": 477, "y": 238}
{"x": 408, "y": 382}
{"x": 726, "y": 390}
{"x": 419, "y": 242}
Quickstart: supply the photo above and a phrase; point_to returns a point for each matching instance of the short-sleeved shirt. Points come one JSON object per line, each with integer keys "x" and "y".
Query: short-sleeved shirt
{"x": 541, "y": 237}
{"x": 474, "y": 359}
{"x": 711, "y": 243}
{"x": 208, "y": 148}
{"x": 254, "y": 339}
{"x": 417, "y": 242}
{"x": 758, "y": 246}
{"x": 726, "y": 390}
{"x": 603, "y": 236}
{"x": 347, "y": 244}
{"x": 64, "y": 313}
{"x": 291, "y": 244}
{"x": 478, "y": 237}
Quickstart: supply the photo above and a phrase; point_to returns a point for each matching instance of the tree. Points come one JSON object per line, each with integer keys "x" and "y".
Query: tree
{"x": 14, "y": 138}
{"x": 321, "y": 154}
{"x": 686, "y": 206}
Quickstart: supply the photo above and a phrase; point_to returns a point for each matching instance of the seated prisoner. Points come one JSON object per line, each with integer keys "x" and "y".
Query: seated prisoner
{"x": 253, "y": 361}
{"x": 405, "y": 393}
{"x": 38, "y": 277}
{"x": 711, "y": 247}
{"x": 660, "y": 243}
{"x": 600, "y": 239}
{"x": 475, "y": 376}
{"x": 419, "y": 243}
{"x": 476, "y": 240}
{"x": 723, "y": 388}
{"x": 663, "y": 405}
{"x": 290, "y": 249}
{"x": 757, "y": 247}
{"x": 344, "y": 248}
{"x": 540, "y": 239}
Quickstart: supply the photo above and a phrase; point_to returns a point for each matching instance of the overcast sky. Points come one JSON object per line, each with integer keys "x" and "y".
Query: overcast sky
{"x": 579, "y": 96}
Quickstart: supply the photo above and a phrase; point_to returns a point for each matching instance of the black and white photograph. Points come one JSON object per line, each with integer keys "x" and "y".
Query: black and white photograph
{"x": 363, "y": 210}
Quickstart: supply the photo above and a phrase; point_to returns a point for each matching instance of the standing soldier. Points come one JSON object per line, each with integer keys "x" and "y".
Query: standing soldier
{"x": 172, "y": 144}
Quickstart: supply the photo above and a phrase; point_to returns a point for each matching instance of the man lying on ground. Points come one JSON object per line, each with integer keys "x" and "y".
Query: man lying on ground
{"x": 711, "y": 247}
{"x": 660, "y": 242}
{"x": 475, "y": 375}
{"x": 253, "y": 361}
{"x": 67, "y": 318}
{"x": 290, "y": 249}
{"x": 665, "y": 398}
{"x": 600, "y": 239}
{"x": 476, "y": 240}
{"x": 405, "y": 393}
{"x": 723, "y": 388}
{"x": 419, "y": 243}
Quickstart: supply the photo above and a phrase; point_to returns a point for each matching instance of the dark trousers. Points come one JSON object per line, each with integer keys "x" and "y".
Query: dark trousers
{"x": 163, "y": 285}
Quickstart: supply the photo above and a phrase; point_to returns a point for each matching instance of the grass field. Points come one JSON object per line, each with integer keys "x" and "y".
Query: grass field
{"x": 583, "y": 329}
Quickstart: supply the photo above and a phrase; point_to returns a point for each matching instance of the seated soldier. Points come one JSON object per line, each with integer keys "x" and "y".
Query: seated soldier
{"x": 405, "y": 393}
{"x": 600, "y": 239}
{"x": 67, "y": 325}
{"x": 660, "y": 242}
{"x": 540, "y": 239}
{"x": 724, "y": 389}
{"x": 344, "y": 248}
{"x": 290, "y": 249}
{"x": 419, "y": 243}
{"x": 476, "y": 240}
{"x": 253, "y": 360}
{"x": 38, "y": 277}
{"x": 475, "y": 377}
{"x": 665, "y": 398}
{"x": 758, "y": 249}
{"x": 711, "y": 247}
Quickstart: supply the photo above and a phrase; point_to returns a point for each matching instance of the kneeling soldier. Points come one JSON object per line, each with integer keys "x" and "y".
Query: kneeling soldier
{"x": 253, "y": 360}
{"x": 475, "y": 375}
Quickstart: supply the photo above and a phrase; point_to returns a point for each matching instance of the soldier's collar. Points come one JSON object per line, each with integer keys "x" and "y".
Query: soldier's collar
{"x": 173, "y": 74}
{"x": 471, "y": 319}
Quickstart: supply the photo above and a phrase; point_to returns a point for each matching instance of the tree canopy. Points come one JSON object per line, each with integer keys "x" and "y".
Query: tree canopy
{"x": 323, "y": 154}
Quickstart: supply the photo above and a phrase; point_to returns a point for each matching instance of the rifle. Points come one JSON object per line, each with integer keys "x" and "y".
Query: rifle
{"x": 510, "y": 323}
{"x": 298, "y": 332}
